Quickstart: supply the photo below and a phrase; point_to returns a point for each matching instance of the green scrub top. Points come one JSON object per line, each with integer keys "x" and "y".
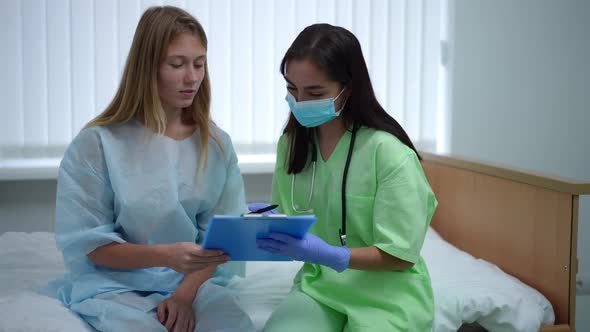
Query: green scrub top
{"x": 389, "y": 204}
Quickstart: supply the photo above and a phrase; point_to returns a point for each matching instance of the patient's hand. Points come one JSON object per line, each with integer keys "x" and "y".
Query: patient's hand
{"x": 187, "y": 257}
{"x": 176, "y": 314}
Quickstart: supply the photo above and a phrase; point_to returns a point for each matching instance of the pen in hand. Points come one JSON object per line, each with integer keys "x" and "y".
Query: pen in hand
{"x": 264, "y": 209}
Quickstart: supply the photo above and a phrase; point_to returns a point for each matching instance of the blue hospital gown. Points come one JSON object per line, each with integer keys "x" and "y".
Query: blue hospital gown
{"x": 123, "y": 183}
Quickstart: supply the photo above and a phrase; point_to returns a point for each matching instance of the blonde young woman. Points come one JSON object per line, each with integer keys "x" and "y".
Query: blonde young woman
{"x": 137, "y": 186}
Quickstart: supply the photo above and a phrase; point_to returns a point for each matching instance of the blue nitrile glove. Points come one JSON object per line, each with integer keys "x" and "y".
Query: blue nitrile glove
{"x": 257, "y": 206}
{"x": 311, "y": 249}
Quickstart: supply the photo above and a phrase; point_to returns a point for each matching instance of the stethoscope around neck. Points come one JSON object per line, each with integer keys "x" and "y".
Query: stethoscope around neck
{"x": 314, "y": 159}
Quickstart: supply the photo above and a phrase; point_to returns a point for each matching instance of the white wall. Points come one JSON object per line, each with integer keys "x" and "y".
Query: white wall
{"x": 27, "y": 206}
{"x": 521, "y": 93}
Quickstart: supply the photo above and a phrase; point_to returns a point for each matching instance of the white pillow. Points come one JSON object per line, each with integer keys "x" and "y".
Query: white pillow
{"x": 468, "y": 290}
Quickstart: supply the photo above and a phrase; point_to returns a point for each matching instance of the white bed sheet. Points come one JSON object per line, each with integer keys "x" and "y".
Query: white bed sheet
{"x": 29, "y": 260}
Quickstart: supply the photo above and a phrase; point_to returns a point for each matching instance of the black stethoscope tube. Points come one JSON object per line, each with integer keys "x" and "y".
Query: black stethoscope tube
{"x": 342, "y": 231}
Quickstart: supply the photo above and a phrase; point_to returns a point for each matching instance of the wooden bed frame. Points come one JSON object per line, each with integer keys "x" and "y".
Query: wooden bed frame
{"x": 525, "y": 223}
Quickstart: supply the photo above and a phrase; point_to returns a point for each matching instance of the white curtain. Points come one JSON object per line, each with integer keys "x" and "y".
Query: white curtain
{"x": 62, "y": 60}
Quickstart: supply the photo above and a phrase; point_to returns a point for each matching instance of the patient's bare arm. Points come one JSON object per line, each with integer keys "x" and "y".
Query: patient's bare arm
{"x": 184, "y": 257}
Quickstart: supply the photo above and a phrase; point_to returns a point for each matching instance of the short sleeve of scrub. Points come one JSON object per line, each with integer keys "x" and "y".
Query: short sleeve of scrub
{"x": 404, "y": 204}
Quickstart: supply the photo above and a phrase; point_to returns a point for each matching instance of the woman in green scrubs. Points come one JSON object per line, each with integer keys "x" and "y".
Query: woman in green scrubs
{"x": 341, "y": 155}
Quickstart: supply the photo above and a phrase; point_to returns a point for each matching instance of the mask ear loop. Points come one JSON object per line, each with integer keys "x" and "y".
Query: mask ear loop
{"x": 344, "y": 104}
{"x": 342, "y": 108}
{"x": 338, "y": 96}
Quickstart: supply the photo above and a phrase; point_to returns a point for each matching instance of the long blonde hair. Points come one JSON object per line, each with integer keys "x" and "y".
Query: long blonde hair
{"x": 137, "y": 94}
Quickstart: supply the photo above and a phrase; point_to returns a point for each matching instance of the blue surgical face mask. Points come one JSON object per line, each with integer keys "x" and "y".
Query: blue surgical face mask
{"x": 313, "y": 113}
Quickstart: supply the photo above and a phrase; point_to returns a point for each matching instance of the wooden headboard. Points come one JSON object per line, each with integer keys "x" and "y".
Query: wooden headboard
{"x": 525, "y": 223}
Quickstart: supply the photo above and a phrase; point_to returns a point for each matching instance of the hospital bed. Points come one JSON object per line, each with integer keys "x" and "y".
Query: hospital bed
{"x": 524, "y": 223}
{"x": 501, "y": 253}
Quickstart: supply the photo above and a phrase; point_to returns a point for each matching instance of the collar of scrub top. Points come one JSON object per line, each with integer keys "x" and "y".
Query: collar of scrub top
{"x": 314, "y": 158}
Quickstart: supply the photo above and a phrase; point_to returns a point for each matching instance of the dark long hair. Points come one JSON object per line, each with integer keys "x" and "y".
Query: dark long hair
{"x": 338, "y": 53}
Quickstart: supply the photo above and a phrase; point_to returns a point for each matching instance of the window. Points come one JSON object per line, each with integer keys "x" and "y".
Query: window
{"x": 62, "y": 61}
